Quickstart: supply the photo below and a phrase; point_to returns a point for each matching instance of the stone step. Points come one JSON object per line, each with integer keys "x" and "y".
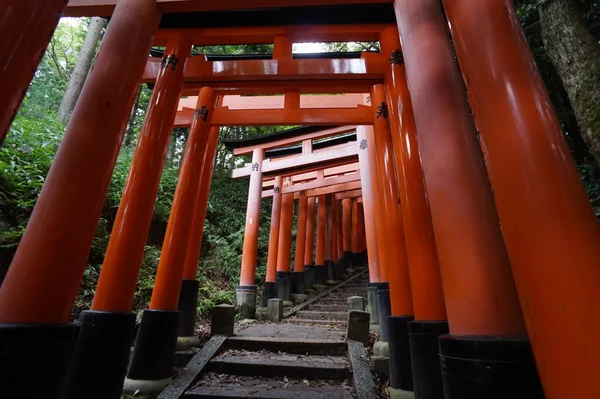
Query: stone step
{"x": 287, "y": 345}
{"x": 307, "y": 314}
{"x": 317, "y": 322}
{"x": 215, "y": 386}
{"x": 342, "y": 307}
{"x": 269, "y": 364}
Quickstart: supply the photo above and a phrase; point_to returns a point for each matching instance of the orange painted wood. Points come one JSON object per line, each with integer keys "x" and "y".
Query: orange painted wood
{"x": 548, "y": 225}
{"x": 338, "y": 170}
{"x": 329, "y": 234}
{"x": 392, "y": 245}
{"x": 301, "y": 234}
{"x": 474, "y": 264}
{"x": 426, "y": 283}
{"x": 295, "y": 140}
{"x": 119, "y": 275}
{"x": 250, "y": 249}
{"x": 354, "y": 232}
{"x": 347, "y": 205}
{"x": 195, "y": 243}
{"x": 267, "y": 34}
{"x": 284, "y": 247}
{"x": 321, "y": 230}
{"x": 349, "y": 194}
{"x": 165, "y": 295}
{"x": 43, "y": 280}
{"x": 268, "y": 87}
{"x": 334, "y": 189}
{"x": 90, "y": 8}
{"x": 339, "y": 229}
{"x": 345, "y": 152}
{"x": 332, "y": 181}
{"x": 289, "y": 117}
{"x": 369, "y": 186}
{"x": 227, "y": 73}
{"x": 237, "y": 102}
{"x": 274, "y": 233}
{"x": 25, "y": 31}
{"x": 309, "y": 242}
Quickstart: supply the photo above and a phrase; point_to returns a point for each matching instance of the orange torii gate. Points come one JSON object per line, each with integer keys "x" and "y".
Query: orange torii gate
{"x": 426, "y": 156}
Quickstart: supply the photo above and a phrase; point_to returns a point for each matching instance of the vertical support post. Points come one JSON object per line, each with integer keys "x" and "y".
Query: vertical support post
{"x": 330, "y": 250}
{"x": 298, "y": 285}
{"x": 463, "y": 215}
{"x": 270, "y": 287}
{"x": 426, "y": 284}
{"x": 246, "y": 291}
{"x": 309, "y": 242}
{"x": 347, "y": 231}
{"x": 284, "y": 277}
{"x": 369, "y": 187}
{"x": 356, "y": 236}
{"x": 393, "y": 252}
{"x": 320, "y": 269}
{"x": 106, "y": 331}
{"x": 153, "y": 355}
{"x": 26, "y": 29}
{"x": 42, "y": 282}
{"x": 549, "y": 228}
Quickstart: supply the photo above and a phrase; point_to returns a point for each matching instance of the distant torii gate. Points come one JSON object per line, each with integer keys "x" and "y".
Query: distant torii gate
{"x": 537, "y": 277}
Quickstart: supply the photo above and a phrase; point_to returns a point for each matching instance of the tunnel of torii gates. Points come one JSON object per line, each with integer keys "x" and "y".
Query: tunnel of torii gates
{"x": 467, "y": 306}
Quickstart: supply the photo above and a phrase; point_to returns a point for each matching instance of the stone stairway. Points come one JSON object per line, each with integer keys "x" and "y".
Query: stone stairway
{"x": 304, "y": 356}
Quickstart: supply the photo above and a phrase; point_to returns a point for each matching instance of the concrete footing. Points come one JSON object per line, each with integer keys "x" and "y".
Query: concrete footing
{"x": 356, "y": 303}
{"x": 372, "y": 303}
{"x": 185, "y": 343}
{"x": 275, "y": 310}
{"x": 246, "y": 301}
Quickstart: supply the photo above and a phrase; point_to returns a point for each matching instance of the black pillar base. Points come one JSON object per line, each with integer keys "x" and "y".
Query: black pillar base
{"x": 425, "y": 358}
{"x": 309, "y": 276}
{"x": 488, "y": 367}
{"x": 340, "y": 269}
{"x": 154, "y": 351}
{"x": 34, "y": 358}
{"x": 320, "y": 274}
{"x": 99, "y": 362}
{"x": 269, "y": 291}
{"x": 357, "y": 261}
{"x": 365, "y": 258}
{"x": 348, "y": 260}
{"x": 400, "y": 367}
{"x": 384, "y": 310}
{"x": 188, "y": 304}
{"x": 330, "y": 270}
{"x": 298, "y": 285}
{"x": 284, "y": 285}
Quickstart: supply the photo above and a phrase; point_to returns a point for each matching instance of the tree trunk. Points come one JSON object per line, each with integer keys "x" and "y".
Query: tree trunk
{"x": 576, "y": 55}
{"x": 82, "y": 67}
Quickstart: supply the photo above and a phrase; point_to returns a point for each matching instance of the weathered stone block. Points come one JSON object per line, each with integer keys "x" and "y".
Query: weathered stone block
{"x": 358, "y": 326}
{"x": 275, "y": 310}
{"x": 356, "y": 303}
{"x": 298, "y": 298}
{"x": 222, "y": 320}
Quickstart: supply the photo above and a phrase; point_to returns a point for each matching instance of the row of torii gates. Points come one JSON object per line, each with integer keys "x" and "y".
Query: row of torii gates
{"x": 498, "y": 250}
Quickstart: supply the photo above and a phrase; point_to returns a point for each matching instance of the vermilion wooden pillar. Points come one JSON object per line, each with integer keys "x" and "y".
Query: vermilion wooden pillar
{"x": 42, "y": 282}
{"x": 284, "y": 278}
{"x": 347, "y": 207}
{"x": 26, "y": 29}
{"x": 479, "y": 290}
{"x": 549, "y": 228}
{"x": 355, "y": 233}
{"x": 113, "y": 299}
{"x": 330, "y": 243}
{"x": 152, "y": 358}
{"x": 309, "y": 242}
{"x": 270, "y": 287}
{"x": 188, "y": 295}
{"x": 320, "y": 270}
{"x": 368, "y": 186}
{"x": 298, "y": 285}
{"x": 339, "y": 232}
{"x": 426, "y": 286}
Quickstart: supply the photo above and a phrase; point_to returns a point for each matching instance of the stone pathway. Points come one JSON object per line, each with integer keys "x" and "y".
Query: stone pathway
{"x": 304, "y": 356}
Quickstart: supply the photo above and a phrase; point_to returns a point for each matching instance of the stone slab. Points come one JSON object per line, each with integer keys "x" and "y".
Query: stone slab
{"x": 361, "y": 372}
{"x": 291, "y": 331}
{"x": 280, "y": 365}
{"x": 288, "y": 345}
{"x": 193, "y": 370}
{"x": 307, "y": 314}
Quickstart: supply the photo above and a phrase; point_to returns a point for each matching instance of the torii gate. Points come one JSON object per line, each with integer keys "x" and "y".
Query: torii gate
{"x": 430, "y": 160}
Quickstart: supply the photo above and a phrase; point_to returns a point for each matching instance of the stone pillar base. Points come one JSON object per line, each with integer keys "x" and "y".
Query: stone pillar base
{"x": 284, "y": 285}
{"x": 384, "y": 309}
{"x": 187, "y": 307}
{"x": 246, "y": 301}
{"x": 425, "y": 358}
{"x": 400, "y": 366}
{"x": 372, "y": 303}
{"x": 269, "y": 291}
